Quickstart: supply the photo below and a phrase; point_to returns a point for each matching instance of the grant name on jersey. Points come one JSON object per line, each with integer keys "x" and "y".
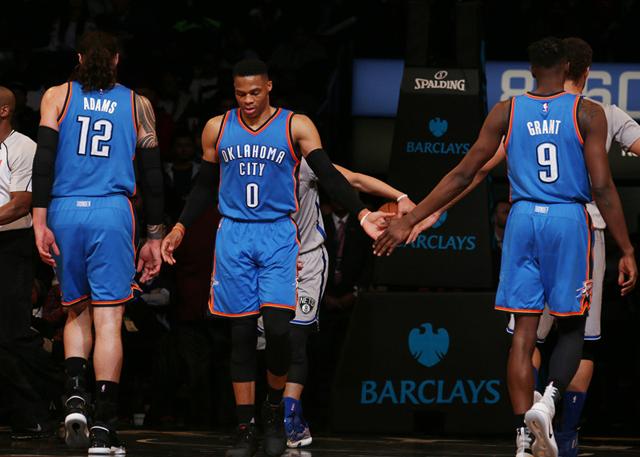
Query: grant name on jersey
{"x": 102, "y": 105}
{"x": 252, "y": 151}
{"x": 545, "y": 127}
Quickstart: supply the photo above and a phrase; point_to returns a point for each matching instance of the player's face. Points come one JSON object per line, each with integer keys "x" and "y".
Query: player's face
{"x": 252, "y": 94}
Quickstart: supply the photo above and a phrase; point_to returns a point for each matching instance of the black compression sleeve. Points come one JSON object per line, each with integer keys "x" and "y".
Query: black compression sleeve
{"x": 202, "y": 194}
{"x": 333, "y": 183}
{"x": 150, "y": 166}
{"x": 43, "y": 166}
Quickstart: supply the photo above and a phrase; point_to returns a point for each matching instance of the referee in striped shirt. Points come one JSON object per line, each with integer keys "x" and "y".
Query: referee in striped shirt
{"x": 16, "y": 235}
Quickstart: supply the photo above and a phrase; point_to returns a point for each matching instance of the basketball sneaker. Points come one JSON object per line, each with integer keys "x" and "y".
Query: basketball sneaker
{"x": 523, "y": 442}
{"x": 105, "y": 442}
{"x": 297, "y": 429}
{"x": 539, "y": 419}
{"x": 275, "y": 439}
{"x": 76, "y": 428}
{"x": 246, "y": 444}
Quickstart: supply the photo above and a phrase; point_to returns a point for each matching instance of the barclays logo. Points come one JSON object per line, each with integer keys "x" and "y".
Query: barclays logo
{"x": 438, "y": 127}
{"x": 427, "y": 347}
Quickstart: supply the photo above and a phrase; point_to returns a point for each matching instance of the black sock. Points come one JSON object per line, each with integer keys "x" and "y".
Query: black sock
{"x": 274, "y": 396}
{"x": 519, "y": 420}
{"x": 245, "y": 413}
{"x": 106, "y": 403}
{"x": 76, "y": 369}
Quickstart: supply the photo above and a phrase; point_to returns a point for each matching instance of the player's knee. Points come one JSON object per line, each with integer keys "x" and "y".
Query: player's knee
{"x": 277, "y": 330}
{"x": 108, "y": 319}
{"x": 299, "y": 361}
{"x": 276, "y": 323}
{"x": 243, "y": 350}
{"x": 524, "y": 343}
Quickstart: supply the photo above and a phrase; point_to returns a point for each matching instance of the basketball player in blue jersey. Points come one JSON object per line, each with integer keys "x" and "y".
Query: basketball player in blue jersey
{"x": 555, "y": 142}
{"x": 622, "y": 129}
{"x": 258, "y": 148}
{"x": 83, "y": 180}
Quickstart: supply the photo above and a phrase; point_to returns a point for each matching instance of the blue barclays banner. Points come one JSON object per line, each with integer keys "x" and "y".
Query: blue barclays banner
{"x": 376, "y": 85}
{"x": 423, "y": 362}
{"x": 614, "y": 83}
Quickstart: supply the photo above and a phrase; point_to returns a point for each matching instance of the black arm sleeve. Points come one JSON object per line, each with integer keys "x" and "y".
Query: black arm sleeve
{"x": 202, "y": 194}
{"x": 150, "y": 166}
{"x": 333, "y": 183}
{"x": 43, "y": 166}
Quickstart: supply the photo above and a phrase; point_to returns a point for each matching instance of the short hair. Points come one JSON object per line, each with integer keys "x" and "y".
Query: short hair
{"x": 547, "y": 52}
{"x": 579, "y": 55}
{"x": 250, "y": 67}
{"x": 97, "y": 70}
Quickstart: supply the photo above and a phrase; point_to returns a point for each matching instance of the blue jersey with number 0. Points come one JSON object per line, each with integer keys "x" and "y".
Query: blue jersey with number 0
{"x": 97, "y": 143}
{"x": 258, "y": 168}
{"x": 544, "y": 150}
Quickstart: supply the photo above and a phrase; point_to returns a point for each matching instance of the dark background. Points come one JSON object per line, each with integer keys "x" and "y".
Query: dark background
{"x": 180, "y": 53}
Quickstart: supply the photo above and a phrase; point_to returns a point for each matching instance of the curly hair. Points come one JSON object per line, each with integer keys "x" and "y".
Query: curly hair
{"x": 547, "y": 52}
{"x": 579, "y": 55}
{"x": 97, "y": 70}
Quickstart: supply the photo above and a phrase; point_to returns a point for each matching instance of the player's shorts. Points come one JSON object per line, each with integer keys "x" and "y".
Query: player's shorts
{"x": 96, "y": 237}
{"x": 592, "y": 328}
{"x": 546, "y": 258}
{"x": 254, "y": 266}
{"x": 312, "y": 279}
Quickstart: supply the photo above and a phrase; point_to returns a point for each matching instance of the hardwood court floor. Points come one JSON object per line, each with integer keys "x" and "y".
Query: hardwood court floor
{"x": 148, "y": 443}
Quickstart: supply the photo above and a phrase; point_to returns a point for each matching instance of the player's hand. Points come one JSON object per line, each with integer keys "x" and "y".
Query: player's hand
{"x": 396, "y": 233}
{"x": 46, "y": 244}
{"x": 299, "y": 266}
{"x": 170, "y": 244}
{"x": 627, "y": 273}
{"x": 423, "y": 225}
{"x": 405, "y": 205}
{"x": 375, "y": 223}
{"x": 149, "y": 260}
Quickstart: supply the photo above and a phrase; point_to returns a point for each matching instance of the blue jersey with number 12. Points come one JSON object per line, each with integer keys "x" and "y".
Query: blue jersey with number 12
{"x": 97, "y": 143}
{"x": 545, "y": 157}
{"x": 258, "y": 168}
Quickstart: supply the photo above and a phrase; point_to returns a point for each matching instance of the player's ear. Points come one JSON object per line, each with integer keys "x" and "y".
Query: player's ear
{"x": 269, "y": 86}
{"x": 116, "y": 59}
{"x": 80, "y": 58}
{"x": 533, "y": 72}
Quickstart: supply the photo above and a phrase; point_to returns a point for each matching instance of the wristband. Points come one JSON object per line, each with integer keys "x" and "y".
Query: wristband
{"x": 364, "y": 218}
{"x": 401, "y": 197}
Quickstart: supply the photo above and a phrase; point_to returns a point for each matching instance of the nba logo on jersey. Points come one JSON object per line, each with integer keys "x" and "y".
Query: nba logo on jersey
{"x": 545, "y": 108}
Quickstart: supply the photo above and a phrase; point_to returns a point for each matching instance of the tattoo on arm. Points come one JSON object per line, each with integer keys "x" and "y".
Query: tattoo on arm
{"x": 155, "y": 232}
{"x": 147, "y": 137}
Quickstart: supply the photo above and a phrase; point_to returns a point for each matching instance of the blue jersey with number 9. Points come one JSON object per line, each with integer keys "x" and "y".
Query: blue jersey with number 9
{"x": 544, "y": 150}
{"x": 97, "y": 143}
{"x": 258, "y": 168}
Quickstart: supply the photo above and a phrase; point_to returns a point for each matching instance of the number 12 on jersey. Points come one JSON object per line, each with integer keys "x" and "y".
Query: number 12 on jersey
{"x": 547, "y": 154}
{"x": 102, "y": 130}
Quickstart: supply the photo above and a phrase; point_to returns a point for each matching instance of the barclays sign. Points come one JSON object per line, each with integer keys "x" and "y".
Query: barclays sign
{"x": 428, "y": 348}
{"x": 438, "y": 128}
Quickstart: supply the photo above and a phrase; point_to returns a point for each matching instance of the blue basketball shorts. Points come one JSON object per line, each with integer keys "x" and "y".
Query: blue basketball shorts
{"x": 95, "y": 236}
{"x": 546, "y": 257}
{"x": 254, "y": 266}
